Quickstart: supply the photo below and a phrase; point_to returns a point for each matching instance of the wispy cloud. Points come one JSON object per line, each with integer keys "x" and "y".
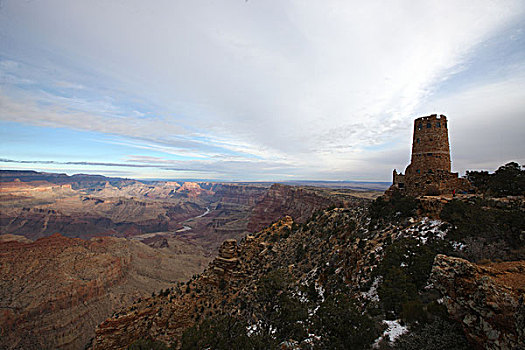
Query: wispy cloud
{"x": 72, "y": 163}
{"x": 127, "y": 165}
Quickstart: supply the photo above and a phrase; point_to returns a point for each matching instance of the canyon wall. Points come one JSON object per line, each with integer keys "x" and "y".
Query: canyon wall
{"x": 298, "y": 202}
{"x": 54, "y": 291}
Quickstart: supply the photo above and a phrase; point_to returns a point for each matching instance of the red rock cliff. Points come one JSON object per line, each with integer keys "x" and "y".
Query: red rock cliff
{"x": 297, "y": 202}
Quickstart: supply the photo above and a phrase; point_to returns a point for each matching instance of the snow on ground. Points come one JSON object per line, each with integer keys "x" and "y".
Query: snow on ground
{"x": 394, "y": 330}
{"x": 425, "y": 229}
{"x": 320, "y": 290}
{"x": 458, "y": 246}
{"x": 371, "y": 294}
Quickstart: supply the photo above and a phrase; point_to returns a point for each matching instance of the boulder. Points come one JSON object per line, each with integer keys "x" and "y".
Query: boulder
{"x": 488, "y": 300}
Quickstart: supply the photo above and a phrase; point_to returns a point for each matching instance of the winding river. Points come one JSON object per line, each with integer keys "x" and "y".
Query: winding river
{"x": 186, "y": 227}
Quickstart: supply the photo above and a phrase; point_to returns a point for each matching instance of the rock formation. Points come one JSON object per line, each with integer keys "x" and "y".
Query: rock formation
{"x": 38, "y": 209}
{"x": 298, "y": 202}
{"x": 227, "y": 260}
{"x": 240, "y": 194}
{"x": 486, "y": 300}
{"x": 193, "y": 190}
{"x": 54, "y": 291}
{"x": 15, "y": 238}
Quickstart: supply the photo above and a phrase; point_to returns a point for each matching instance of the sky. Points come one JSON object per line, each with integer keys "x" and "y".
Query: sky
{"x": 257, "y": 90}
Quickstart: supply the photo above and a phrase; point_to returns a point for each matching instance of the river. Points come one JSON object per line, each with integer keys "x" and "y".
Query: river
{"x": 186, "y": 227}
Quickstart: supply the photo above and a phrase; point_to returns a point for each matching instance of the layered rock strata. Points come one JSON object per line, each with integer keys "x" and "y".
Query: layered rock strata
{"x": 54, "y": 291}
{"x": 298, "y": 202}
{"x": 227, "y": 260}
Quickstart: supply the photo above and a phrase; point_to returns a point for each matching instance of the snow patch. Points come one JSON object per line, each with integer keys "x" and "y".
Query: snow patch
{"x": 250, "y": 330}
{"x": 371, "y": 294}
{"x": 458, "y": 246}
{"x": 302, "y": 297}
{"x": 424, "y": 230}
{"x": 394, "y": 330}
{"x": 320, "y": 290}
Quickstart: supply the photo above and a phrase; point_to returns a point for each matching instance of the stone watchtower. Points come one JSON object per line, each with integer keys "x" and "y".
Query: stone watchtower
{"x": 429, "y": 172}
{"x": 430, "y": 147}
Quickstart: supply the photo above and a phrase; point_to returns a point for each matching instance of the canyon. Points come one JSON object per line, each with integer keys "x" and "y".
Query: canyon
{"x": 36, "y": 205}
{"x": 55, "y": 290}
{"x": 73, "y": 249}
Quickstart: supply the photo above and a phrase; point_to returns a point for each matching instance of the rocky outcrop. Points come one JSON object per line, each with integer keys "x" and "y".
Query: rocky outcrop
{"x": 156, "y": 242}
{"x": 486, "y": 299}
{"x": 433, "y": 205}
{"x": 27, "y": 188}
{"x": 16, "y": 238}
{"x": 297, "y": 202}
{"x": 336, "y": 250}
{"x": 35, "y": 223}
{"x": 227, "y": 262}
{"x": 336, "y": 247}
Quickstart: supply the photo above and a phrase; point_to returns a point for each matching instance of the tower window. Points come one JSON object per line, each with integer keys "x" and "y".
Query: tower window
{"x": 429, "y": 125}
{"x": 417, "y": 140}
{"x": 419, "y": 126}
{"x": 438, "y": 125}
{"x": 418, "y": 171}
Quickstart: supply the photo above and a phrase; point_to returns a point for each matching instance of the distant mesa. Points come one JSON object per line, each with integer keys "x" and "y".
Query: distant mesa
{"x": 429, "y": 172}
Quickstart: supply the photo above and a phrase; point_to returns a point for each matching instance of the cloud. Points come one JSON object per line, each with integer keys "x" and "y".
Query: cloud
{"x": 261, "y": 88}
{"x": 3, "y": 160}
